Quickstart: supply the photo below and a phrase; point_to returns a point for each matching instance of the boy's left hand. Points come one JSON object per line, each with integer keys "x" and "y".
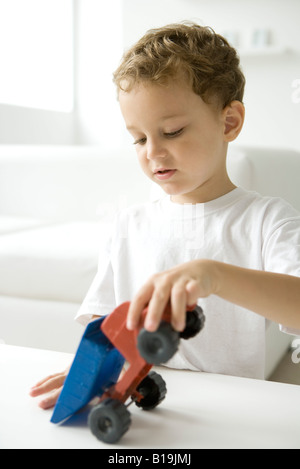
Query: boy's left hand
{"x": 181, "y": 285}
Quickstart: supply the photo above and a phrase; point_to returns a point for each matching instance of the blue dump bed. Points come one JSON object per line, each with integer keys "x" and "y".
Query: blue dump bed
{"x": 96, "y": 366}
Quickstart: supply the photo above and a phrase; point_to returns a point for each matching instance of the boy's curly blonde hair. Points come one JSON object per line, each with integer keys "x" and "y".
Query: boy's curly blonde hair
{"x": 206, "y": 59}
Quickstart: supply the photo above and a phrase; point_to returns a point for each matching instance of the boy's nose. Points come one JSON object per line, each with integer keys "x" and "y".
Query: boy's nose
{"x": 155, "y": 150}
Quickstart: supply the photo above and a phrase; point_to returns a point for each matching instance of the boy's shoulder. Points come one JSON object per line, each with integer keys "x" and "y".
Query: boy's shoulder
{"x": 267, "y": 213}
{"x": 270, "y": 204}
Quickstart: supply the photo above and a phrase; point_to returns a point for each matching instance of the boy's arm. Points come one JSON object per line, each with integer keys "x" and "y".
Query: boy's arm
{"x": 274, "y": 296}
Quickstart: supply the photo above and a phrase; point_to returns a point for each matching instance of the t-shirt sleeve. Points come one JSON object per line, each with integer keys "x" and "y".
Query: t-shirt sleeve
{"x": 100, "y": 298}
{"x": 281, "y": 247}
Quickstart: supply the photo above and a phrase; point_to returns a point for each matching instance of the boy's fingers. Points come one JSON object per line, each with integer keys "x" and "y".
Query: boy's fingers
{"x": 178, "y": 305}
{"x": 162, "y": 285}
{"x": 193, "y": 291}
{"x": 47, "y": 385}
{"x": 42, "y": 381}
{"x": 156, "y": 308}
{"x": 137, "y": 306}
{"x": 50, "y": 400}
{"x": 156, "y": 293}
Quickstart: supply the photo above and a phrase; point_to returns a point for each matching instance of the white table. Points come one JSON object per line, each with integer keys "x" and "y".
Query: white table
{"x": 200, "y": 411}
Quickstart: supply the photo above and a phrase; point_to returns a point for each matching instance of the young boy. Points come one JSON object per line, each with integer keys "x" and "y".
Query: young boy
{"x": 234, "y": 252}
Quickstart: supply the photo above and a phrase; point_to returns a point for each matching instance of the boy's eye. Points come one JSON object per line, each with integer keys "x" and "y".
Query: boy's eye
{"x": 174, "y": 134}
{"x": 143, "y": 140}
{"x": 140, "y": 141}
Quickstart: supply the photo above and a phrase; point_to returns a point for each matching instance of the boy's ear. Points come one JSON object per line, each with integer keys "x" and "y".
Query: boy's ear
{"x": 233, "y": 116}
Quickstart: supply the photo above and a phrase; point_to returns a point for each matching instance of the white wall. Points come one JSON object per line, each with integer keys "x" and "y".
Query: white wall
{"x": 272, "y": 118}
{"x": 98, "y": 51}
{"x": 96, "y": 118}
{"x": 103, "y": 29}
{"x": 20, "y": 125}
{"x": 36, "y": 70}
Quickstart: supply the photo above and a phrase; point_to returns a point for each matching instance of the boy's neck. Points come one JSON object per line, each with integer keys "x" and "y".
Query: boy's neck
{"x": 204, "y": 194}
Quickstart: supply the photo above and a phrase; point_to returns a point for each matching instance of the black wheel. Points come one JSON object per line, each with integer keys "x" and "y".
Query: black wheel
{"x": 159, "y": 346}
{"x": 194, "y": 323}
{"x": 154, "y": 389}
{"x": 109, "y": 420}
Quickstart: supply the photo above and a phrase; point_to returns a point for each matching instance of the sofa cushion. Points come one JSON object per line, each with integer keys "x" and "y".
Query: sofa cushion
{"x": 56, "y": 262}
{"x": 9, "y": 224}
{"x": 69, "y": 183}
{"x": 269, "y": 171}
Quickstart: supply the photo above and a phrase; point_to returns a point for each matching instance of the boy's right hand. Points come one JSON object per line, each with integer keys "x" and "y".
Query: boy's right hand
{"x": 52, "y": 385}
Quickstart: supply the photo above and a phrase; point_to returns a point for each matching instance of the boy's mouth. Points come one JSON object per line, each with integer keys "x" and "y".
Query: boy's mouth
{"x": 163, "y": 173}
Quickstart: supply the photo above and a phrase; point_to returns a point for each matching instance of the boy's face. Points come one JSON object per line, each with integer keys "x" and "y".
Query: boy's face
{"x": 179, "y": 140}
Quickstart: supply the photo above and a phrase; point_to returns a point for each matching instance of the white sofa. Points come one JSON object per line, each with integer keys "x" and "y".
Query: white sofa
{"x": 56, "y": 206}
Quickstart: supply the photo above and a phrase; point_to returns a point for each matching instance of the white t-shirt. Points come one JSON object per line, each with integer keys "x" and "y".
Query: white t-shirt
{"x": 240, "y": 228}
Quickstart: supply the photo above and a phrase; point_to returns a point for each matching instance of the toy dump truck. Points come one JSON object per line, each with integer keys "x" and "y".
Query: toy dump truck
{"x": 105, "y": 346}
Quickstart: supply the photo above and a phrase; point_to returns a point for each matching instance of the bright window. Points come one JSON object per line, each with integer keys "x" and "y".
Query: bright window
{"x": 36, "y": 54}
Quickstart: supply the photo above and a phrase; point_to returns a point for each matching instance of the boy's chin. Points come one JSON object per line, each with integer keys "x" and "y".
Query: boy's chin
{"x": 160, "y": 190}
